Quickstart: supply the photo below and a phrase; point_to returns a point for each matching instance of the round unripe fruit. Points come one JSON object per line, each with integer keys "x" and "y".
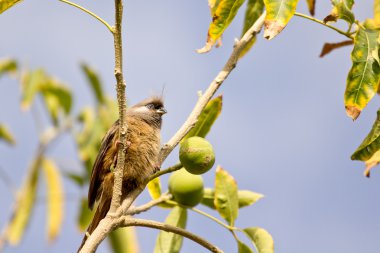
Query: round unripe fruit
{"x": 186, "y": 188}
{"x": 196, "y": 155}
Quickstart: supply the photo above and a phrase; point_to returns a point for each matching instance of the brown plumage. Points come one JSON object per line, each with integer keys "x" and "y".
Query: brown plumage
{"x": 144, "y": 125}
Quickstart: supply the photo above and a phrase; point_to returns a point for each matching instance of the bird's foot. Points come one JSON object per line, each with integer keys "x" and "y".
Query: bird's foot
{"x": 157, "y": 168}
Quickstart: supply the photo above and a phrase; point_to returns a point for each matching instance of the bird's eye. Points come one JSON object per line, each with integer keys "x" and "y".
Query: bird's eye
{"x": 150, "y": 106}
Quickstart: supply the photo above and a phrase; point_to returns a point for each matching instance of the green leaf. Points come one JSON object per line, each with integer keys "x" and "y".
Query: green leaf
{"x": 371, "y": 144}
{"x": 226, "y": 196}
{"x": 6, "y": 4}
{"x": 55, "y": 198}
{"x": 223, "y": 12}
{"x": 6, "y": 135}
{"x": 262, "y": 240}
{"x": 57, "y": 96}
{"x": 94, "y": 125}
{"x": 254, "y": 10}
{"x": 363, "y": 78}
{"x": 7, "y": 65}
{"x": 242, "y": 248}
{"x": 311, "y": 6}
{"x": 279, "y": 13}
{"x": 85, "y": 215}
{"x": 124, "y": 240}
{"x": 341, "y": 10}
{"x": 76, "y": 178}
{"x": 170, "y": 242}
{"x": 245, "y": 198}
{"x": 31, "y": 83}
{"x": 94, "y": 81}
{"x": 24, "y": 205}
{"x": 207, "y": 118}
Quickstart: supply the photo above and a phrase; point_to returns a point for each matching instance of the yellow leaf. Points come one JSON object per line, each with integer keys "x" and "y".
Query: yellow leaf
{"x": 154, "y": 188}
{"x": 279, "y": 13}
{"x": 24, "y": 206}
{"x": 55, "y": 198}
{"x": 6, "y": 4}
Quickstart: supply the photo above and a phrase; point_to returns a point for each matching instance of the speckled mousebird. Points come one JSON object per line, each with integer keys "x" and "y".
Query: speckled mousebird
{"x": 143, "y": 136}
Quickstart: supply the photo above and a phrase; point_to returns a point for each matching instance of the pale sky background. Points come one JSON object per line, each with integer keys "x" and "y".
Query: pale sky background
{"x": 283, "y": 131}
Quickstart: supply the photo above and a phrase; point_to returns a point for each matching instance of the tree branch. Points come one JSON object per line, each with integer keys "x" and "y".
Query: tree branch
{"x": 121, "y": 99}
{"x": 127, "y": 221}
{"x": 116, "y": 219}
{"x": 213, "y": 87}
{"x": 149, "y": 205}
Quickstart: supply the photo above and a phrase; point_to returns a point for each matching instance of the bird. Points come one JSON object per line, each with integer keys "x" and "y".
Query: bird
{"x": 144, "y": 122}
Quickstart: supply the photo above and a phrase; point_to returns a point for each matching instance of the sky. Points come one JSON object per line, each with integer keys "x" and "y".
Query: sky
{"x": 283, "y": 131}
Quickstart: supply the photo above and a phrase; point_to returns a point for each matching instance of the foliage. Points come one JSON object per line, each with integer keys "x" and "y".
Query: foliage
{"x": 89, "y": 125}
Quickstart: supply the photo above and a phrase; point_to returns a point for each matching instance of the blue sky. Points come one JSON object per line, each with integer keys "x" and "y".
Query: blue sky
{"x": 283, "y": 131}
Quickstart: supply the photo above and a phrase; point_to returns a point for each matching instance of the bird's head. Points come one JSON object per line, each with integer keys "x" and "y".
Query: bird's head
{"x": 149, "y": 110}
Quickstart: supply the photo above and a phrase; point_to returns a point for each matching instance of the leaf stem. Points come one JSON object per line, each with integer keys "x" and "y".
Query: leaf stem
{"x": 347, "y": 34}
{"x": 89, "y": 12}
{"x": 204, "y": 214}
{"x": 166, "y": 171}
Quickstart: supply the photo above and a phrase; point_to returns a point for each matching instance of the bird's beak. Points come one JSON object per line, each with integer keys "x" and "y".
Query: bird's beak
{"x": 161, "y": 111}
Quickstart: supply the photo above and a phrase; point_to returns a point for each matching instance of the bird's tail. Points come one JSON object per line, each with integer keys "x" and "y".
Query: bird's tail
{"x": 101, "y": 212}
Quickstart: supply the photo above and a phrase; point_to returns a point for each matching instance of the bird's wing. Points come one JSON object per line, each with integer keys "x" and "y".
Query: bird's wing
{"x": 103, "y": 162}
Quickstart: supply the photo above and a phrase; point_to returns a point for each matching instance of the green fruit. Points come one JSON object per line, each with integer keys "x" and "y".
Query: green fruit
{"x": 196, "y": 155}
{"x": 186, "y": 188}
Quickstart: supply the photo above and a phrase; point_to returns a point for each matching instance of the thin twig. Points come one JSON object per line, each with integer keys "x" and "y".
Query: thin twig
{"x": 165, "y": 171}
{"x": 347, "y": 34}
{"x": 213, "y": 87}
{"x": 89, "y": 12}
{"x": 149, "y": 205}
{"x": 128, "y": 222}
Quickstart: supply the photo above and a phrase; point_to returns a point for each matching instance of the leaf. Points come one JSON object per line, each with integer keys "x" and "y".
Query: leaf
{"x": 55, "y": 199}
{"x": 124, "y": 240}
{"x": 95, "y": 125}
{"x": 254, "y": 10}
{"x": 7, "y": 65}
{"x": 245, "y": 198}
{"x": 30, "y": 85}
{"x": 94, "y": 81}
{"x": 376, "y": 12}
{"x": 57, "y": 96}
{"x": 76, "y": 178}
{"x": 57, "y": 99}
{"x": 6, "y": 135}
{"x": 242, "y": 248}
{"x": 262, "y": 240}
{"x": 85, "y": 215}
{"x": 341, "y": 10}
{"x": 279, "y": 13}
{"x": 6, "y": 4}
{"x": 24, "y": 206}
{"x": 371, "y": 144}
{"x": 372, "y": 163}
{"x": 169, "y": 242}
{"x": 207, "y": 118}
{"x": 226, "y": 196}
{"x": 311, "y": 6}
{"x": 328, "y": 47}
{"x": 223, "y": 12}
{"x": 363, "y": 78}
{"x": 154, "y": 188}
